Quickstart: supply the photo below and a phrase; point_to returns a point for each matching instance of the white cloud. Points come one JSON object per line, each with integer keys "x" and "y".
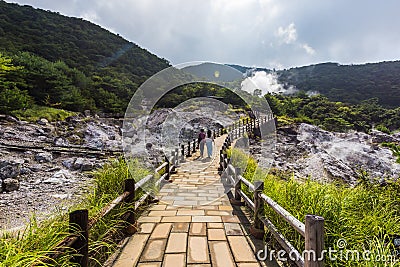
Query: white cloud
{"x": 252, "y": 32}
{"x": 287, "y": 35}
{"x": 308, "y": 49}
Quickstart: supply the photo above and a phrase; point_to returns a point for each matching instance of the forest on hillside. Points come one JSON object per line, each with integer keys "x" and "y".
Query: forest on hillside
{"x": 51, "y": 60}
{"x": 349, "y": 83}
{"x": 68, "y": 62}
{"x": 334, "y": 115}
{"x": 345, "y": 83}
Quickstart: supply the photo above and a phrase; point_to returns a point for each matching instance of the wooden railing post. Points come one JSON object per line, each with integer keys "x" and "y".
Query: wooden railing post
{"x": 78, "y": 224}
{"x": 188, "y": 151}
{"x": 238, "y": 184}
{"x": 176, "y": 159}
{"x": 221, "y": 160}
{"x": 314, "y": 241}
{"x": 130, "y": 187}
{"x": 225, "y": 160}
{"x": 167, "y": 168}
{"x": 257, "y": 229}
{"x": 182, "y": 153}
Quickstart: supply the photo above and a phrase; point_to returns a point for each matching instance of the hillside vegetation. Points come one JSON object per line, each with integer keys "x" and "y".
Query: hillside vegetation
{"x": 345, "y": 83}
{"x": 68, "y": 62}
{"x": 39, "y": 239}
{"x": 357, "y": 219}
{"x": 349, "y": 83}
{"x": 332, "y": 115}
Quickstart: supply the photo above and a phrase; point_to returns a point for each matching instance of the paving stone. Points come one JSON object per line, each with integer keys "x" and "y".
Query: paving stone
{"x": 199, "y": 191}
{"x": 209, "y": 195}
{"x": 172, "y": 207}
{"x": 225, "y": 207}
{"x": 185, "y": 203}
{"x": 241, "y": 249}
{"x": 177, "y": 219}
{"x": 172, "y": 198}
{"x": 220, "y": 254}
{"x": 233, "y": 229}
{"x": 174, "y": 260}
{"x": 218, "y": 212}
{"x": 198, "y": 229}
{"x": 167, "y": 190}
{"x": 199, "y": 265}
{"x": 230, "y": 219}
{"x": 149, "y": 264}
{"x": 176, "y": 243}
{"x": 216, "y": 234}
{"x": 198, "y": 250}
{"x": 215, "y": 225}
{"x": 154, "y": 250}
{"x": 146, "y": 228}
{"x": 196, "y": 198}
{"x": 162, "y": 213}
{"x": 180, "y": 227}
{"x": 206, "y": 219}
{"x": 207, "y": 207}
{"x": 144, "y": 219}
{"x": 190, "y": 212}
{"x": 132, "y": 250}
{"x": 161, "y": 230}
{"x": 158, "y": 207}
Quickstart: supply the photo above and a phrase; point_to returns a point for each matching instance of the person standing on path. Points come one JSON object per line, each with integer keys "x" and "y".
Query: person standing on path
{"x": 209, "y": 143}
{"x": 200, "y": 140}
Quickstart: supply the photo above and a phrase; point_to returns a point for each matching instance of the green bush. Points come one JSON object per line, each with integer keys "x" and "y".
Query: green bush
{"x": 37, "y": 112}
{"x": 13, "y": 99}
{"x": 365, "y": 216}
{"x": 38, "y": 239}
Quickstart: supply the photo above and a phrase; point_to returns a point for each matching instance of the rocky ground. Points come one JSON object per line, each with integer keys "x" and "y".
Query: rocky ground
{"x": 45, "y": 166}
{"x": 308, "y": 151}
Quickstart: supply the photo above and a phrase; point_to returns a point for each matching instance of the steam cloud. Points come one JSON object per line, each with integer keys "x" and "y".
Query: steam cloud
{"x": 267, "y": 82}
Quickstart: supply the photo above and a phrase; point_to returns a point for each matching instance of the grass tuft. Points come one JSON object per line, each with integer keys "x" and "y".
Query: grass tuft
{"x": 365, "y": 216}
{"x": 38, "y": 239}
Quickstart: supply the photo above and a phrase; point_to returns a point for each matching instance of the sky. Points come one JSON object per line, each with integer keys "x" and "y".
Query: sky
{"x": 256, "y": 33}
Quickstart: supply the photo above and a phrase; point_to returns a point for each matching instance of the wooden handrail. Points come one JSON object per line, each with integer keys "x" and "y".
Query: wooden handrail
{"x": 313, "y": 228}
{"x": 143, "y": 181}
{"x": 293, "y": 221}
{"x": 107, "y": 209}
{"x": 127, "y": 196}
{"x": 249, "y": 184}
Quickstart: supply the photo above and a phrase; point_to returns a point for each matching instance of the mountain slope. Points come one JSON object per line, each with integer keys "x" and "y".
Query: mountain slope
{"x": 79, "y": 43}
{"x": 345, "y": 83}
{"x": 111, "y": 66}
{"x": 349, "y": 83}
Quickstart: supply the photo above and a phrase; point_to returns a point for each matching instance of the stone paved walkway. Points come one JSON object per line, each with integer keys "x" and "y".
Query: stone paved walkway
{"x": 192, "y": 225}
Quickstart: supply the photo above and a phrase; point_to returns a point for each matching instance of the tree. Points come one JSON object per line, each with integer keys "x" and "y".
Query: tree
{"x": 11, "y": 98}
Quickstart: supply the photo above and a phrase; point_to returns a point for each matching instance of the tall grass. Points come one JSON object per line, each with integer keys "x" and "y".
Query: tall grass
{"x": 366, "y": 216}
{"x": 38, "y": 239}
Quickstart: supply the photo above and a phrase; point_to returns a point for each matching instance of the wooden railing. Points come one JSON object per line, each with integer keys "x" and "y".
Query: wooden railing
{"x": 80, "y": 223}
{"x": 313, "y": 228}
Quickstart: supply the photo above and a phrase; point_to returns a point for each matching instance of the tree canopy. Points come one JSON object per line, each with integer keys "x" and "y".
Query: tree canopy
{"x": 69, "y": 62}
